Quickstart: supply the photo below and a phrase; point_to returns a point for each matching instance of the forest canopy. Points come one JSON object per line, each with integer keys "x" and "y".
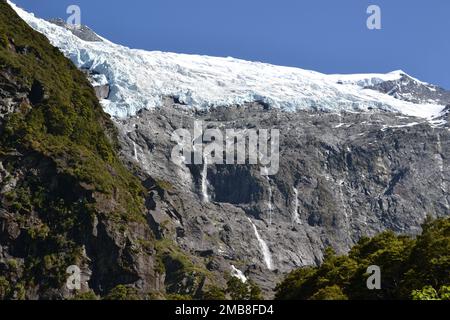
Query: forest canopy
{"x": 411, "y": 268}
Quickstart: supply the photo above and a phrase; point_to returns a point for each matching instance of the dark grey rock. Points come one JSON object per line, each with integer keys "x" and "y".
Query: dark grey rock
{"x": 412, "y": 90}
{"x": 83, "y": 32}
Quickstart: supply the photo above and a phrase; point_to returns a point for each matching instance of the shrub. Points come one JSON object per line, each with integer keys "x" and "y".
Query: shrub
{"x": 429, "y": 293}
{"x": 69, "y": 166}
{"x": 178, "y": 297}
{"x": 3, "y": 40}
{"x": 214, "y": 293}
{"x": 330, "y": 293}
{"x": 4, "y": 288}
{"x": 19, "y": 292}
{"x": 239, "y": 290}
{"x": 89, "y": 295}
{"x": 122, "y": 292}
{"x": 255, "y": 292}
{"x": 66, "y": 122}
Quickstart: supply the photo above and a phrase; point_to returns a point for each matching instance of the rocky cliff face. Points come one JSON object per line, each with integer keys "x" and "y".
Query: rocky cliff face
{"x": 412, "y": 90}
{"x": 65, "y": 198}
{"x": 342, "y": 176}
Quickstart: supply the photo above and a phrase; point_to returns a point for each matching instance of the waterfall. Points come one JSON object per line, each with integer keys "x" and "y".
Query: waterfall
{"x": 344, "y": 206}
{"x": 269, "y": 203}
{"x": 135, "y": 151}
{"x": 264, "y": 248}
{"x": 235, "y": 272}
{"x": 341, "y": 197}
{"x": 295, "y": 215}
{"x": 441, "y": 166}
{"x": 205, "y": 180}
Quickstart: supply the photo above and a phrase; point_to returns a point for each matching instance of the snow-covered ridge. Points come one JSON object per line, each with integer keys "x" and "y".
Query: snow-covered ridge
{"x": 370, "y": 79}
{"x": 141, "y": 79}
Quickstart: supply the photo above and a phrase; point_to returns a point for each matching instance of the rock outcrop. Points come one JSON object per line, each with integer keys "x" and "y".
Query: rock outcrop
{"x": 83, "y": 32}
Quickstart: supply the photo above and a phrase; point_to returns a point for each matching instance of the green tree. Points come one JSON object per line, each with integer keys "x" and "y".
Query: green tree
{"x": 410, "y": 268}
{"x": 214, "y": 293}
{"x": 122, "y": 292}
{"x": 429, "y": 293}
{"x": 89, "y": 295}
{"x": 177, "y": 297}
{"x": 255, "y": 292}
{"x": 4, "y": 288}
{"x": 429, "y": 261}
{"x": 3, "y": 40}
{"x": 237, "y": 289}
{"x": 330, "y": 293}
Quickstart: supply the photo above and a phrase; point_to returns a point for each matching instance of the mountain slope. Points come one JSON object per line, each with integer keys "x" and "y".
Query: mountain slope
{"x": 360, "y": 154}
{"x": 66, "y": 198}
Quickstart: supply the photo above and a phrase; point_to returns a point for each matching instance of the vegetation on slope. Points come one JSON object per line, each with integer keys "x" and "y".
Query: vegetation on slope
{"x": 64, "y": 121}
{"x": 410, "y": 269}
{"x": 58, "y": 149}
{"x": 59, "y": 161}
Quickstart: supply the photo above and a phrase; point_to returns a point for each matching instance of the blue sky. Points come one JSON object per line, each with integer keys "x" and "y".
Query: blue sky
{"x": 329, "y": 36}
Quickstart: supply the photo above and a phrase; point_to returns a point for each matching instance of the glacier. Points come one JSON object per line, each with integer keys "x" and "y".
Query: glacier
{"x": 141, "y": 79}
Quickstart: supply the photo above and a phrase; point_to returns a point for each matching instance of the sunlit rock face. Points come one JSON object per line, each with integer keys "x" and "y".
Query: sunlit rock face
{"x": 342, "y": 176}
